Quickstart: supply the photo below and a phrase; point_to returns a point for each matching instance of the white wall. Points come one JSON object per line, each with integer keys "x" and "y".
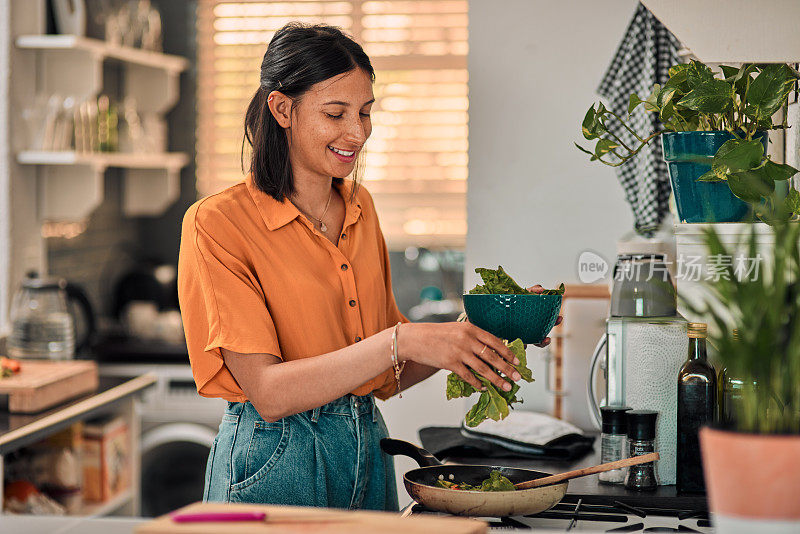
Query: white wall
{"x": 5, "y": 154}
{"x": 21, "y": 242}
{"x": 534, "y": 201}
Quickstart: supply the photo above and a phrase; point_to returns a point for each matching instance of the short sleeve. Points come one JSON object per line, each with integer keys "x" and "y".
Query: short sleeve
{"x": 222, "y": 303}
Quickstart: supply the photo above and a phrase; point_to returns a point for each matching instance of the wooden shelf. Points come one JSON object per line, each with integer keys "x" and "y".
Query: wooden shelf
{"x": 125, "y": 54}
{"x": 103, "y": 160}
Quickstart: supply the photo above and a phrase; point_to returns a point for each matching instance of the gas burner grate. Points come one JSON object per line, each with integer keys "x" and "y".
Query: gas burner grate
{"x": 571, "y": 512}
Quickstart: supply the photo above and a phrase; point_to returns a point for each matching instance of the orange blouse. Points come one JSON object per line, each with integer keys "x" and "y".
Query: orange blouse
{"x": 255, "y": 276}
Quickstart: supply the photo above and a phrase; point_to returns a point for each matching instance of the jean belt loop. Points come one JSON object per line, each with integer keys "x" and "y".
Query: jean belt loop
{"x": 315, "y": 414}
{"x": 353, "y": 405}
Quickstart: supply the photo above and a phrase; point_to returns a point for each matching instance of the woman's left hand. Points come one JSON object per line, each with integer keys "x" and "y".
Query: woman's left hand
{"x": 538, "y": 289}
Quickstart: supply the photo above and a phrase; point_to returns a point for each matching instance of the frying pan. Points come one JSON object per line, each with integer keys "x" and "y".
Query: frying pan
{"x": 535, "y": 491}
{"x": 420, "y": 484}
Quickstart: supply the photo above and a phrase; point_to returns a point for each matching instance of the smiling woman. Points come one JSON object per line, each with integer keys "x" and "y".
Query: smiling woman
{"x": 286, "y": 296}
{"x": 329, "y": 99}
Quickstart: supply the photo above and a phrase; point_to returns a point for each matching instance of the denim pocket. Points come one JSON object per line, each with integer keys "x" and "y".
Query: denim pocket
{"x": 209, "y": 468}
{"x": 268, "y": 441}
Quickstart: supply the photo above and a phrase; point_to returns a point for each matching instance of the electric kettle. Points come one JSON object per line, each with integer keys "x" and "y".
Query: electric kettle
{"x": 43, "y": 319}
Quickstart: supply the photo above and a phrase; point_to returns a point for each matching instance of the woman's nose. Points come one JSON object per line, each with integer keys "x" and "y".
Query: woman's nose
{"x": 356, "y": 132}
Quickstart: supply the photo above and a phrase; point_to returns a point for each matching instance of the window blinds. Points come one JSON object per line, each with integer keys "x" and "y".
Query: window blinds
{"x": 416, "y": 158}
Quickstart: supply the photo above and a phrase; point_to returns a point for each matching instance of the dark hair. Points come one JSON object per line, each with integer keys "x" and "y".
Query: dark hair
{"x": 298, "y": 56}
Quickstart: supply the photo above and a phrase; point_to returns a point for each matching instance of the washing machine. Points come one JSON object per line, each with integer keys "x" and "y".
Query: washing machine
{"x": 178, "y": 427}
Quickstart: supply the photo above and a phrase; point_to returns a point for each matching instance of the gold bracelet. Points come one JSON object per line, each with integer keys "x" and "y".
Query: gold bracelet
{"x": 397, "y": 367}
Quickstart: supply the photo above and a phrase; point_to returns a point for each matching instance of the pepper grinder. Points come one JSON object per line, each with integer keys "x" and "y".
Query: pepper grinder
{"x": 641, "y": 440}
{"x": 613, "y": 442}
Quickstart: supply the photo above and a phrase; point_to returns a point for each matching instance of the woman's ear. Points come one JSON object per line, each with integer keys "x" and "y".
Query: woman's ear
{"x": 280, "y": 106}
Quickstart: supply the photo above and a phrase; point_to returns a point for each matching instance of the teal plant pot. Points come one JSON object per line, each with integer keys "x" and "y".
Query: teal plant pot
{"x": 527, "y": 317}
{"x": 688, "y": 156}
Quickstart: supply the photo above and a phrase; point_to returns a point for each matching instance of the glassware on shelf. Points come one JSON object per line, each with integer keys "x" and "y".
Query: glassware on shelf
{"x": 35, "y": 114}
{"x": 107, "y": 121}
{"x": 41, "y": 325}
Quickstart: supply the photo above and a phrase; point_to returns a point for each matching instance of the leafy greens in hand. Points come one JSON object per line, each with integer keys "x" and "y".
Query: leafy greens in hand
{"x": 493, "y": 403}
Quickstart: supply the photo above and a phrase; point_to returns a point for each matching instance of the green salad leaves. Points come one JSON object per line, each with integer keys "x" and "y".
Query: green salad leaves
{"x": 499, "y": 282}
{"x": 495, "y": 482}
{"x": 493, "y": 403}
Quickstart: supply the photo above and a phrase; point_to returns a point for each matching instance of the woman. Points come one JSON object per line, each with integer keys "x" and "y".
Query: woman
{"x": 285, "y": 291}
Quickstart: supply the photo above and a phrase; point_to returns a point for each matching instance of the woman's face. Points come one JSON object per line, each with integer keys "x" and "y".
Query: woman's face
{"x": 330, "y": 125}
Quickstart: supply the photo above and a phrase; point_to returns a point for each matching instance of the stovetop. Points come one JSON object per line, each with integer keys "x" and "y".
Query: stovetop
{"x": 580, "y": 517}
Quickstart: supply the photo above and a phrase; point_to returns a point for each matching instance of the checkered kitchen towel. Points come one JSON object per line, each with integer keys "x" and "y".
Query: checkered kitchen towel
{"x": 643, "y": 58}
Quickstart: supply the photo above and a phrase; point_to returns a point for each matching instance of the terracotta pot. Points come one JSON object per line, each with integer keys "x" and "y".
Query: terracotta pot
{"x": 753, "y": 481}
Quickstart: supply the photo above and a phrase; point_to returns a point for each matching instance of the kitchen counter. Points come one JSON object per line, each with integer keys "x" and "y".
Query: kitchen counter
{"x": 590, "y": 491}
{"x": 19, "y": 430}
{"x": 79, "y": 525}
{"x": 11, "y": 524}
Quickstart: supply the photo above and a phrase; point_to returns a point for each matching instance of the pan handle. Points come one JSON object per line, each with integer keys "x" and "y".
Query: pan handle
{"x": 396, "y": 447}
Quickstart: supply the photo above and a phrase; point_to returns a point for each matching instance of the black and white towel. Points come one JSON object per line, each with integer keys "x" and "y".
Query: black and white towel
{"x": 643, "y": 58}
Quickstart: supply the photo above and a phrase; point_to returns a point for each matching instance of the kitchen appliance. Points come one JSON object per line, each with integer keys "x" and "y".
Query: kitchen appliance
{"x": 535, "y": 491}
{"x": 642, "y": 350}
{"x": 571, "y": 515}
{"x": 50, "y": 319}
{"x": 589, "y": 505}
{"x": 420, "y": 485}
{"x": 178, "y": 428}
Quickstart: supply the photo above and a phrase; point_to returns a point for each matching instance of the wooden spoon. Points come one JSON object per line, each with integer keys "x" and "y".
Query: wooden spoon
{"x": 552, "y": 479}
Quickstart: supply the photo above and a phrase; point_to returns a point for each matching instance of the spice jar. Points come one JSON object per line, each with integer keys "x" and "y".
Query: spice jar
{"x": 613, "y": 442}
{"x": 641, "y": 440}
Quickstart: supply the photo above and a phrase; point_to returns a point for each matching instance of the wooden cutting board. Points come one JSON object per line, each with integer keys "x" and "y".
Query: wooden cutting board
{"x": 41, "y": 384}
{"x": 342, "y": 522}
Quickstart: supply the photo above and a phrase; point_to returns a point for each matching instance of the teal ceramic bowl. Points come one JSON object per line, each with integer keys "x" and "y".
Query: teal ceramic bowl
{"x": 528, "y": 317}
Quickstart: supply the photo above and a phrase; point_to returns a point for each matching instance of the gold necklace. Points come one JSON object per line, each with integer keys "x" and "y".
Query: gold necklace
{"x": 322, "y": 225}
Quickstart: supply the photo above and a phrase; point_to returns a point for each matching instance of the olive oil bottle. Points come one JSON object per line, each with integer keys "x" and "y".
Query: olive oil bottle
{"x": 697, "y": 389}
{"x": 730, "y": 390}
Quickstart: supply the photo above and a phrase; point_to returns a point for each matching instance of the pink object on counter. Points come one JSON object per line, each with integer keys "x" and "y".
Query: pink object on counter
{"x": 196, "y": 517}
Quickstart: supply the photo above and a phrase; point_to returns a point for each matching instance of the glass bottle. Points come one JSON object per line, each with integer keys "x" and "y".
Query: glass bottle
{"x": 613, "y": 442}
{"x": 730, "y": 389}
{"x": 107, "y": 119}
{"x": 697, "y": 391}
{"x": 641, "y": 440}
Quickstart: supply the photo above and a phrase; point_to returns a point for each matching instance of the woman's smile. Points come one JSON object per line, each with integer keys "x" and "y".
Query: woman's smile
{"x": 345, "y": 156}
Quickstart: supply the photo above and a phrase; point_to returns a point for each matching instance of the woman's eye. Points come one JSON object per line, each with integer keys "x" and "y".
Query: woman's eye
{"x": 365, "y": 115}
{"x": 334, "y": 116}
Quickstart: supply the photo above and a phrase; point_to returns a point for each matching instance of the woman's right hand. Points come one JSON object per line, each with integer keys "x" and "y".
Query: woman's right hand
{"x": 458, "y": 347}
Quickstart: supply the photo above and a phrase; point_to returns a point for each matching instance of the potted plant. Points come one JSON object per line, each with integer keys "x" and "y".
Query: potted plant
{"x": 751, "y": 460}
{"x": 714, "y": 139}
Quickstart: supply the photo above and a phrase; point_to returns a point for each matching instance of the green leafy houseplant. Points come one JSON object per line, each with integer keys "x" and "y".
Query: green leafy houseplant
{"x": 765, "y": 312}
{"x": 741, "y": 101}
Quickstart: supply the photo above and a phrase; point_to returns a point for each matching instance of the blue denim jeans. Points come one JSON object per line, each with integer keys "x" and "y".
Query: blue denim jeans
{"x": 329, "y": 457}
